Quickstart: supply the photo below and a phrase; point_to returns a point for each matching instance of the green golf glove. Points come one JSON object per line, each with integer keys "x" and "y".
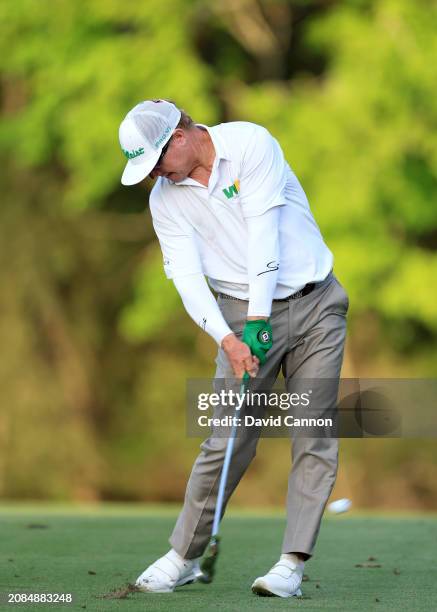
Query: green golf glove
{"x": 258, "y": 337}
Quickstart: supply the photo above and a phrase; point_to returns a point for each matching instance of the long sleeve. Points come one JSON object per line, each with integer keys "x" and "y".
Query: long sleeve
{"x": 263, "y": 260}
{"x": 200, "y": 304}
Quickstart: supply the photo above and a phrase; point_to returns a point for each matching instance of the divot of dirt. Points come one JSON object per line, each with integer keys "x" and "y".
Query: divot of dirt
{"x": 121, "y": 593}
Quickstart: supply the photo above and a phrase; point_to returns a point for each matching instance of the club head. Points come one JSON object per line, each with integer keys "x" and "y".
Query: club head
{"x": 208, "y": 562}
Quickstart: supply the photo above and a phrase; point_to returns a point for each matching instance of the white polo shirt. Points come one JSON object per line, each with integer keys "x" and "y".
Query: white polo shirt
{"x": 203, "y": 229}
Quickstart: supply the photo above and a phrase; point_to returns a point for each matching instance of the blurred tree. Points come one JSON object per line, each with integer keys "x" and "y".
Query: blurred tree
{"x": 78, "y": 68}
{"x": 70, "y": 253}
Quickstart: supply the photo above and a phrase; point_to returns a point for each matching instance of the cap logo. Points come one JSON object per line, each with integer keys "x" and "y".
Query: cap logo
{"x": 133, "y": 153}
{"x": 162, "y": 137}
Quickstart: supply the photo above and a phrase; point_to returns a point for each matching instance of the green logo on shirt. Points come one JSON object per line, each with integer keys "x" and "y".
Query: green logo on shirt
{"x": 232, "y": 190}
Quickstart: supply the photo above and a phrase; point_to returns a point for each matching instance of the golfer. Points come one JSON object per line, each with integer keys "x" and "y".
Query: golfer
{"x": 231, "y": 216}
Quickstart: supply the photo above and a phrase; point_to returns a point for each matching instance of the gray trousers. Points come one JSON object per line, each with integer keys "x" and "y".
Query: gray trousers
{"x": 308, "y": 334}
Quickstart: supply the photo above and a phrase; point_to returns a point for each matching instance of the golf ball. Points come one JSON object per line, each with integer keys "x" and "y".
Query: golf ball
{"x": 340, "y": 505}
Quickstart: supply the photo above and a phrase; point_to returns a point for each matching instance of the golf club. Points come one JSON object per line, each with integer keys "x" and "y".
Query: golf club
{"x": 209, "y": 560}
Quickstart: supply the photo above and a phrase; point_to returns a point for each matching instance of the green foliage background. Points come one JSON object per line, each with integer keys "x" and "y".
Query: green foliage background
{"x": 96, "y": 345}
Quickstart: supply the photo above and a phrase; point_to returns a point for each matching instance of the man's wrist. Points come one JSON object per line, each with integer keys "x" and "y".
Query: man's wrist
{"x": 258, "y": 318}
{"x": 257, "y": 334}
{"x": 228, "y": 340}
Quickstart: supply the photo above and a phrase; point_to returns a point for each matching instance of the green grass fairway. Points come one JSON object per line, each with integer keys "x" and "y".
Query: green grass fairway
{"x": 90, "y": 553}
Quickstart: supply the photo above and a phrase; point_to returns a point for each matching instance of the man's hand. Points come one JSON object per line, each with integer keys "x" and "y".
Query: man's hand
{"x": 240, "y": 357}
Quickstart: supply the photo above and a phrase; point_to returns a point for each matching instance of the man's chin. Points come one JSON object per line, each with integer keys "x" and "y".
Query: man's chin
{"x": 175, "y": 177}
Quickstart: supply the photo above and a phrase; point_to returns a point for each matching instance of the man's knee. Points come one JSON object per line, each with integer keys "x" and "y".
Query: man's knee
{"x": 214, "y": 449}
{"x": 318, "y": 452}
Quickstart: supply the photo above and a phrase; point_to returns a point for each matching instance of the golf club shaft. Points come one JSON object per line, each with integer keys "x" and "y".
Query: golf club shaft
{"x": 226, "y": 464}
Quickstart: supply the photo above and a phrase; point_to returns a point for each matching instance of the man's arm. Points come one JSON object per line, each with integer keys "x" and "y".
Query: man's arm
{"x": 263, "y": 262}
{"x": 201, "y": 305}
{"x": 262, "y": 183}
{"x": 203, "y": 309}
{"x": 182, "y": 264}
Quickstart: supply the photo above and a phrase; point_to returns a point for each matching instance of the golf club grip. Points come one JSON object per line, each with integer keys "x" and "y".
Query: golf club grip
{"x": 226, "y": 463}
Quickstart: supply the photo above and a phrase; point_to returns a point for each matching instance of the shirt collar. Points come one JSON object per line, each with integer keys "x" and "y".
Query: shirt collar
{"x": 219, "y": 145}
{"x": 220, "y": 150}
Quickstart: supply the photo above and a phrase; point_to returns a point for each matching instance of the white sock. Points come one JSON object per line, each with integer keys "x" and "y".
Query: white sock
{"x": 294, "y": 559}
{"x": 177, "y": 559}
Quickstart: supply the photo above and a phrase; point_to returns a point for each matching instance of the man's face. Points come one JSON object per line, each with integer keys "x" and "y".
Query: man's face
{"x": 175, "y": 163}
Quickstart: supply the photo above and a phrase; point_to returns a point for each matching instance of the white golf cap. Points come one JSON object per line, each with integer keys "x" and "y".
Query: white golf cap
{"x": 143, "y": 133}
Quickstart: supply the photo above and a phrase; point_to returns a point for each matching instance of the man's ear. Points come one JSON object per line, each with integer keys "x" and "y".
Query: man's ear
{"x": 179, "y": 137}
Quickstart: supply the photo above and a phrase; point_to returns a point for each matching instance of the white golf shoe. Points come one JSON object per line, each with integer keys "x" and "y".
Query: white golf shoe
{"x": 283, "y": 580}
{"x": 167, "y": 573}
